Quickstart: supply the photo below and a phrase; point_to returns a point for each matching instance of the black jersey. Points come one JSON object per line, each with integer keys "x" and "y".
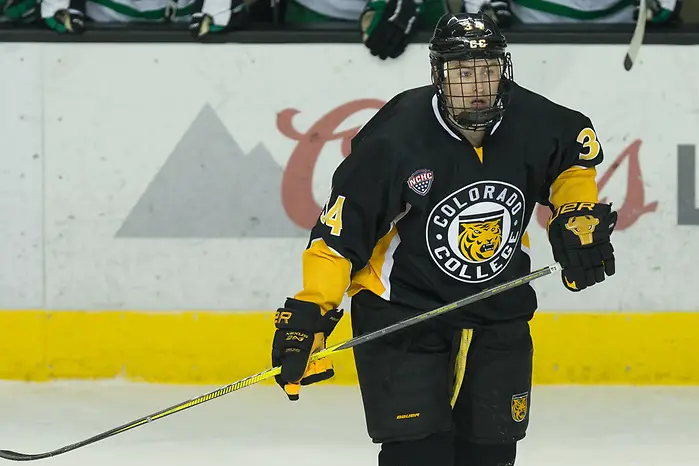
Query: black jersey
{"x": 425, "y": 219}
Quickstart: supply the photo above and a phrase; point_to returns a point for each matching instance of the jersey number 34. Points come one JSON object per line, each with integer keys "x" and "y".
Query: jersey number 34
{"x": 332, "y": 217}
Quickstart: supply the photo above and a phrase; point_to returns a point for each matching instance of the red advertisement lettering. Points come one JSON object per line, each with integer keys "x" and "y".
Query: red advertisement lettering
{"x": 297, "y": 191}
{"x": 635, "y": 200}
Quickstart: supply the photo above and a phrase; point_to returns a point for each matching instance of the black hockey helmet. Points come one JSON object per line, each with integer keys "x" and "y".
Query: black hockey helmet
{"x": 471, "y": 69}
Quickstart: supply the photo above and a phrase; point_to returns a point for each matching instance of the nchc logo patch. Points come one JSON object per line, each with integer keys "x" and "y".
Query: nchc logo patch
{"x": 520, "y": 406}
{"x": 473, "y": 233}
{"x": 421, "y": 181}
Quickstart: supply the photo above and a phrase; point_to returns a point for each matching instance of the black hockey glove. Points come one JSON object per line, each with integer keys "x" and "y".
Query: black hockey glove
{"x": 660, "y": 12}
{"x": 388, "y": 26}
{"x": 579, "y": 233}
{"x": 498, "y": 10}
{"x": 65, "y": 16}
{"x": 301, "y": 331}
{"x": 212, "y": 16}
{"x": 67, "y": 21}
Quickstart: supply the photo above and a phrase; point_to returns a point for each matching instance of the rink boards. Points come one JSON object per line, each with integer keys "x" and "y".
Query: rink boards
{"x": 220, "y": 348}
{"x": 151, "y": 222}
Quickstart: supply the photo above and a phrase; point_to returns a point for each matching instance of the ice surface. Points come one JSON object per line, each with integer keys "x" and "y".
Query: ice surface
{"x": 570, "y": 426}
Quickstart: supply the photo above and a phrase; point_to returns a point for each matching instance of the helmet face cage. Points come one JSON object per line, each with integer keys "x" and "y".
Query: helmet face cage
{"x": 472, "y": 89}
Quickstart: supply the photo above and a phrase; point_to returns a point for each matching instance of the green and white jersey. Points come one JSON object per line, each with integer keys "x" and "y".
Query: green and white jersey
{"x": 573, "y": 11}
{"x": 112, "y": 11}
{"x": 340, "y": 9}
{"x": 350, "y": 10}
{"x": 19, "y": 11}
{"x": 122, "y": 11}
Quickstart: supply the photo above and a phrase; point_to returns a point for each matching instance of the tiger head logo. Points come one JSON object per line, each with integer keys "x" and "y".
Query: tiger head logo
{"x": 583, "y": 227}
{"x": 520, "y": 406}
{"x": 480, "y": 239}
{"x": 473, "y": 233}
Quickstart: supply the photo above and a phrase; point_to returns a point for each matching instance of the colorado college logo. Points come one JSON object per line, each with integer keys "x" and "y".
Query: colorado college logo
{"x": 473, "y": 233}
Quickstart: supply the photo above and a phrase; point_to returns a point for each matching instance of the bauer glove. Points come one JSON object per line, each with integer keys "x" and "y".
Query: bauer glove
{"x": 660, "y": 11}
{"x": 301, "y": 331}
{"x": 388, "y": 26}
{"x": 579, "y": 233}
{"x": 212, "y": 16}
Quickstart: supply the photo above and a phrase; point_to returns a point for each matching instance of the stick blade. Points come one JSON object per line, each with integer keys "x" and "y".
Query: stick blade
{"x": 628, "y": 63}
{"x": 14, "y": 456}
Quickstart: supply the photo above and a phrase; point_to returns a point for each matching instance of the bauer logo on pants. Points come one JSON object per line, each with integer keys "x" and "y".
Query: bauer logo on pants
{"x": 473, "y": 233}
{"x": 520, "y": 407}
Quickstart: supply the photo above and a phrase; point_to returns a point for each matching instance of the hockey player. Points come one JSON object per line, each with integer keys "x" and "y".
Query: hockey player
{"x": 204, "y": 16}
{"x": 432, "y": 205}
{"x": 387, "y": 26}
{"x": 660, "y": 12}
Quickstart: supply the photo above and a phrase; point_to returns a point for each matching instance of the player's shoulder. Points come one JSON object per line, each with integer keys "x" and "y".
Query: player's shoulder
{"x": 384, "y": 142}
{"x": 393, "y": 122}
{"x": 546, "y": 114}
{"x": 380, "y": 146}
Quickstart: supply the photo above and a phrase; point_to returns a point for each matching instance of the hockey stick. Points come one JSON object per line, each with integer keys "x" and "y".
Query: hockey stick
{"x": 269, "y": 373}
{"x": 637, "y": 39}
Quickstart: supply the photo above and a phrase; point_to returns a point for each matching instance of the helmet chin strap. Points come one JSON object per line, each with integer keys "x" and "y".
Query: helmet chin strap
{"x": 473, "y": 120}
{"x": 482, "y": 118}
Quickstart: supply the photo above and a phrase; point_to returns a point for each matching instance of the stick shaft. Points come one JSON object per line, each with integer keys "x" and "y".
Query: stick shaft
{"x": 637, "y": 38}
{"x": 439, "y": 311}
{"x": 269, "y": 373}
